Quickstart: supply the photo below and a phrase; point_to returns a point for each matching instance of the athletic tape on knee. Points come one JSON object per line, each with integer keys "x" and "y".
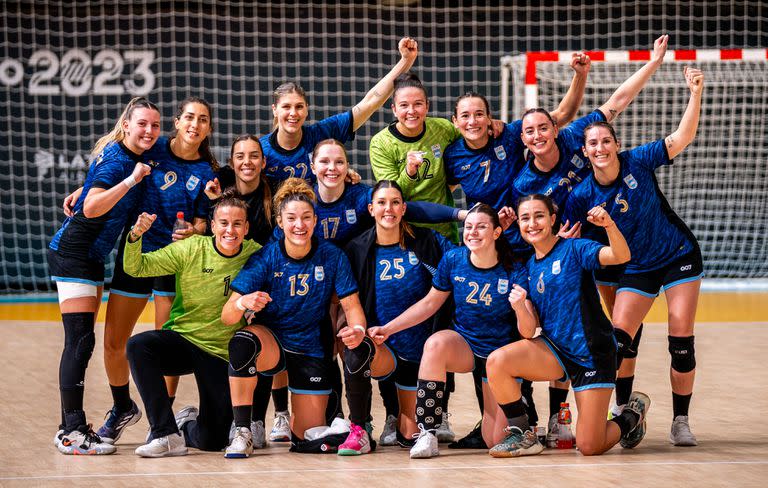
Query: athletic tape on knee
{"x": 68, "y": 290}
{"x": 358, "y": 360}
{"x": 631, "y": 351}
{"x": 244, "y": 349}
{"x": 683, "y": 354}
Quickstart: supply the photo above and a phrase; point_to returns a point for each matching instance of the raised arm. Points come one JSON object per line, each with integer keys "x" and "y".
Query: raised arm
{"x": 100, "y": 201}
{"x": 627, "y": 91}
{"x": 686, "y": 131}
{"x": 569, "y": 105}
{"x": 381, "y": 91}
{"x": 164, "y": 261}
{"x": 617, "y": 250}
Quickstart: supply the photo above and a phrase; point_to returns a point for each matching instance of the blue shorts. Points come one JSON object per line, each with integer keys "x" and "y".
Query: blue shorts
{"x": 603, "y": 375}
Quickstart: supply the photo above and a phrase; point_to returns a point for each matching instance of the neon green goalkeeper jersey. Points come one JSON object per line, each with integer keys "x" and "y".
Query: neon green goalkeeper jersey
{"x": 388, "y": 151}
{"x": 203, "y": 277}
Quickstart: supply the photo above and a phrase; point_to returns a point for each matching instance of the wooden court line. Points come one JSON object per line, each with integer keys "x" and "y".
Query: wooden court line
{"x": 386, "y": 468}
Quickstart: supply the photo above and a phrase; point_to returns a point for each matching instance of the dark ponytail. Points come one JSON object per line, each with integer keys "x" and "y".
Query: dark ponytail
{"x": 503, "y": 249}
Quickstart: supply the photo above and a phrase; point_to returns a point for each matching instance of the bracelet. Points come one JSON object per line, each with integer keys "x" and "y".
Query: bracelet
{"x": 130, "y": 182}
{"x": 359, "y": 327}
{"x": 132, "y": 236}
{"x": 239, "y": 305}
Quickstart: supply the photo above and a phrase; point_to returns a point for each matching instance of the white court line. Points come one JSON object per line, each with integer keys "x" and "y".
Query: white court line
{"x": 383, "y": 468}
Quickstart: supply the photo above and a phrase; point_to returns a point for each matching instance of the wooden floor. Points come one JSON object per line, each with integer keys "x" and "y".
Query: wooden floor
{"x": 729, "y": 413}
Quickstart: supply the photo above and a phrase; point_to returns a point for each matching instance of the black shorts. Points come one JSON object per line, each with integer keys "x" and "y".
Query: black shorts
{"x": 603, "y": 375}
{"x": 609, "y": 275}
{"x": 682, "y": 270}
{"x": 75, "y": 269}
{"x": 478, "y": 373}
{"x": 307, "y": 375}
{"x": 405, "y": 375}
{"x": 129, "y": 286}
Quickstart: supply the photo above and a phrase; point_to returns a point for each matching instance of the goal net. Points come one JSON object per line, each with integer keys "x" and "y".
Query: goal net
{"x": 719, "y": 184}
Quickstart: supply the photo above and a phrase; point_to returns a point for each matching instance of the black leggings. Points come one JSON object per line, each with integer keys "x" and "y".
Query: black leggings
{"x": 158, "y": 353}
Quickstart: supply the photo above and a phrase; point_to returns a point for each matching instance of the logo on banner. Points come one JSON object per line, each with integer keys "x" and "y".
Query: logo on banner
{"x": 351, "y": 216}
{"x": 319, "y": 273}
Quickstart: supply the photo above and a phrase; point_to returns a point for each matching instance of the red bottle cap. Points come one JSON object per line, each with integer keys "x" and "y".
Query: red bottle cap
{"x": 564, "y": 405}
{"x": 180, "y": 215}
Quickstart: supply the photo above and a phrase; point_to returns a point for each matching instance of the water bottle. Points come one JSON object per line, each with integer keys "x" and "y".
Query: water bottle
{"x": 180, "y": 223}
{"x": 565, "y": 438}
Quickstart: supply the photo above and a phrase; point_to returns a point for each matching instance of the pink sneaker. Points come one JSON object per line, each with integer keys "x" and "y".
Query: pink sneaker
{"x": 357, "y": 442}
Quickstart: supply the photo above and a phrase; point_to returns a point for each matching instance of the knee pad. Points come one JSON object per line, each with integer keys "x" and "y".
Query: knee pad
{"x": 79, "y": 339}
{"x": 631, "y": 351}
{"x": 358, "y": 360}
{"x": 244, "y": 348}
{"x": 683, "y": 354}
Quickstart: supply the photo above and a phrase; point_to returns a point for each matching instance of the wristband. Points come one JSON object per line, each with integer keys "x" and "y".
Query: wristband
{"x": 130, "y": 182}
{"x": 359, "y": 327}
{"x": 132, "y": 236}
{"x": 239, "y": 305}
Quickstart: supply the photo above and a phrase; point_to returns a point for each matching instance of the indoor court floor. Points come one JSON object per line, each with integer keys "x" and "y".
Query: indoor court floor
{"x": 729, "y": 415}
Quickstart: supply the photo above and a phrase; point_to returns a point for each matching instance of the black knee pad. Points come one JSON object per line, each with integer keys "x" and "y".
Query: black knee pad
{"x": 623, "y": 341}
{"x": 683, "y": 354}
{"x": 79, "y": 339}
{"x": 358, "y": 360}
{"x": 244, "y": 348}
{"x": 631, "y": 351}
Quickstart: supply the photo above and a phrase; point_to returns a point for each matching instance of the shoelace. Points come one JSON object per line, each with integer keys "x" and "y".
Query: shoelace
{"x": 422, "y": 432}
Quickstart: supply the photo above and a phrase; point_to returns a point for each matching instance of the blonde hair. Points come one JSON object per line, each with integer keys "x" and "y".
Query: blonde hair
{"x": 117, "y": 133}
{"x": 293, "y": 190}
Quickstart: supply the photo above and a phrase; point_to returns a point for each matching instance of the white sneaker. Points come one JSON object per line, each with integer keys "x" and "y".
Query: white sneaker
{"x": 83, "y": 441}
{"x": 186, "y": 414}
{"x": 444, "y": 432}
{"x": 258, "y": 434}
{"x": 242, "y": 444}
{"x": 281, "y": 430}
{"x": 681, "y": 434}
{"x": 57, "y": 437}
{"x": 426, "y": 445}
{"x": 169, "y": 445}
{"x": 389, "y": 434}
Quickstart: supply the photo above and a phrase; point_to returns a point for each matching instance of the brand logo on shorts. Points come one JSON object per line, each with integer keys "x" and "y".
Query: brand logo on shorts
{"x": 577, "y": 161}
{"x": 501, "y": 154}
{"x": 351, "y": 216}
{"x": 687, "y": 267}
{"x": 590, "y": 374}
{"x": 319, "y": 273}
{"x": 412, "y": 258}
{"x": 540, "y": 284}
{"x": 630, "y": 181}
{"x": 502, "y": 286}
{"x": 556, "y": 267}
{"x": 192, "y": 182}
{"x": 315, "y": 379}
{"x": 252, "y": 370}
{"x": 436, "y": 151}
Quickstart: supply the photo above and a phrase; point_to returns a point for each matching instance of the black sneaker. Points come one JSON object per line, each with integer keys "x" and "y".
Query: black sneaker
{"x": 473, "y": 440}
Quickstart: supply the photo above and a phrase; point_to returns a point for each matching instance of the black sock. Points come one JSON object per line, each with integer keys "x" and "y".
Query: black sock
{"x": 680, "y": 404}
{"x": 357, "y": 379}
{"x": 624, "y": 389}
{"x": 556, "y": 397}
{"x": 79, "y": 342}
{"x": 388, "y": 392}
{"x": 121, "y": 397}
{"x": 626, "y": 421}
{"x": 526, "y": 388}
{"x": 516, "y": 414}
{"x": 242, "y": 416}
{"x": 260, "y": 400}
{"x": 334, "y": 408}
{"x": 280, "y": 399}
{"x": 429, "y": 403}
{"x": 73, "y": 419}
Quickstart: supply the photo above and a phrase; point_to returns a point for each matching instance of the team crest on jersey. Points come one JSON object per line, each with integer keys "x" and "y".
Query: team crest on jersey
{"x": 351, "y": 216}
{"x": 630, "y": 181}
{"x": 501, "y": 154}
{"x": 412, "y": 258}
{"x": 576, "y": 161}
{"x": 192, "y": 182}
{"x": 319, "y": 273}
{"x": 503, "y": 286}
{"x": 540, "y": 283}
{"x": 556, "y": 267}
{"x": 437, "y": 151}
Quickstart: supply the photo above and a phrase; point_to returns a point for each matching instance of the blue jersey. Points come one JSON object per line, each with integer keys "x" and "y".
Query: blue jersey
{"x": 571, "y": 169}
{"x": 566, "y": 299}
{"x": 283, "y": 164}
{"x": 402, "y": 280}
{"x": 486, "y": 174}
{"x": 81, "y": 236}
{"x": 483, "y": 316}
{"x": 655, "y": 234}
{"x": 301, "y": 293}
{"x": 175, "y": 185}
